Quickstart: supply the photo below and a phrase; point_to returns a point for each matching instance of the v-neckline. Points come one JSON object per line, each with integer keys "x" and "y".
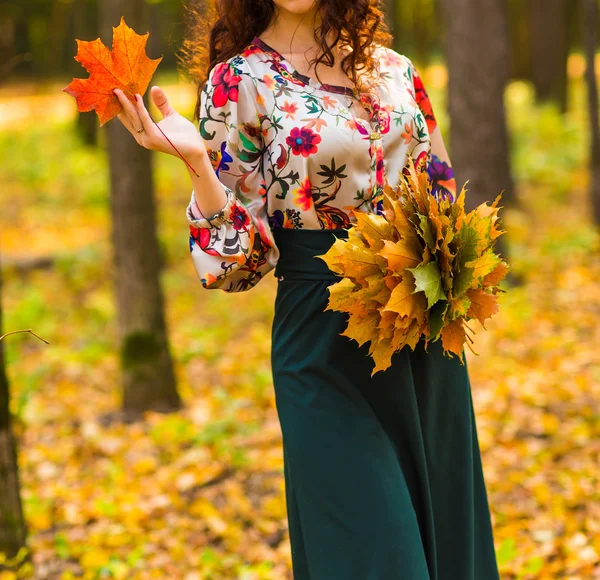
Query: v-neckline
{"x": 368, "y": 124}
{"x": 307, "y": 80}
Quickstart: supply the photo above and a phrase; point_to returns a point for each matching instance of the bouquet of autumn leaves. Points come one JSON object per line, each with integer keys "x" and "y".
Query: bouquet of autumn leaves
{"x": 422, "y": 269}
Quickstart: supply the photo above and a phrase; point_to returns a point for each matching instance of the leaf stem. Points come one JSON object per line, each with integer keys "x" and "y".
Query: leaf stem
{"x": 471, "y": 349}
{"x": 178, "y": 152}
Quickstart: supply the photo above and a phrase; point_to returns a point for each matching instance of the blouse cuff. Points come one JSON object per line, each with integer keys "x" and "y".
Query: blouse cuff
{"x": 216, "y": 220}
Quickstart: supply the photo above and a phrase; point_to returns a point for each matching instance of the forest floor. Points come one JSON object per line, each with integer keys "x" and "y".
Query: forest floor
{"x": 199, "y": 494}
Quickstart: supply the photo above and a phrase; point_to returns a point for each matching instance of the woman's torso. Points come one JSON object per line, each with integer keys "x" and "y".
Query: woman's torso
{"x": 319, "y": 158}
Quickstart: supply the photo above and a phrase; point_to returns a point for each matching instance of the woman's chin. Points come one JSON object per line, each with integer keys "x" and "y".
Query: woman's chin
{"x": 296, "y": 7}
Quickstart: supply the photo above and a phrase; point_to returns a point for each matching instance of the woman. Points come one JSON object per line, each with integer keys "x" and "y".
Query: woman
{"x": 304, "y": 116}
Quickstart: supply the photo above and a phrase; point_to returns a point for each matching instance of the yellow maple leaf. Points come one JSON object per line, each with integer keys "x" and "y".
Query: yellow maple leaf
{"x": 453, "y": 337}
{"x": 363, "y": 328}
{"x": 375, "y": 228}
{"x": 483, "y": 305}
{"x": 405, "y": 253}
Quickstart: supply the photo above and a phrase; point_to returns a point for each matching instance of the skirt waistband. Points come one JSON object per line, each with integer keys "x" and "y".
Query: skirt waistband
{"x": 298, "y": 248}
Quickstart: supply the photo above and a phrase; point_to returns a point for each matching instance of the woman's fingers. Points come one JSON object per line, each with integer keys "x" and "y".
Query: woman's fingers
{"x": 130, "y": 111}
{"x": 160, "y": 100}
{"x": 125, "y": 120}
{"x": 147, "y": 122}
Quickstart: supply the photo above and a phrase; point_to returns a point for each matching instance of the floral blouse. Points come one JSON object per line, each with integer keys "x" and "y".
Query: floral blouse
{"x": 291, "y": 153}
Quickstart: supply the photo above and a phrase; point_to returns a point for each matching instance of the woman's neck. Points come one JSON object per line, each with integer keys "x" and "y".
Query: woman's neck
{"x": 293, "y": 36}
{"x": 292, "y": 32}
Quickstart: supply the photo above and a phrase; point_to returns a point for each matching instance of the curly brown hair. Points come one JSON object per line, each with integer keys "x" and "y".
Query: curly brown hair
{"x": 233, "y": 24}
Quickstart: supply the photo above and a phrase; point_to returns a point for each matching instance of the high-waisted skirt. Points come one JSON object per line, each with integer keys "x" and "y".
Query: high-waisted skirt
{"x": 383, "y": 474}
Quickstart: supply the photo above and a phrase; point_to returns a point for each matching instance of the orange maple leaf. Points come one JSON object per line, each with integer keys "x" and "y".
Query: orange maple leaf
{"x": 126, "y": 67}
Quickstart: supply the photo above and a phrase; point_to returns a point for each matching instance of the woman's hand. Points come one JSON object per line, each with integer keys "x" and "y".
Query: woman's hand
{"x": 182, "y": 133}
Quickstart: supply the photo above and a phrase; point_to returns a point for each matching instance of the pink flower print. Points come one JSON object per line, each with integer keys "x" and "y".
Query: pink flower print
{"x": 303, "y": 195}
{"x": 226, "y": 81}
{"x": 390, "y": 58}
{"x": 303, "y": 141}
{"x": 361, "y": 128}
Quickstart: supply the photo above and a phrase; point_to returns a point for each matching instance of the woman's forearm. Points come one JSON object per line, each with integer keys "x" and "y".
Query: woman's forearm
{"x": 208, "y": 191}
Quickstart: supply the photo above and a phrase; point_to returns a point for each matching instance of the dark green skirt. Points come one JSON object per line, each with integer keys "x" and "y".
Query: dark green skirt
{"x": 383, "y": 474}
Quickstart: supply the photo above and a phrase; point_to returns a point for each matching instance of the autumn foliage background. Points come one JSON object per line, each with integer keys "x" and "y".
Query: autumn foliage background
{"x": 198, "y": 494}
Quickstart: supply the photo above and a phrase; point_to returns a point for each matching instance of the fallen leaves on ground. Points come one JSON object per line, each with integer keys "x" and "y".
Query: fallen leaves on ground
{"x": 198, "y": 495}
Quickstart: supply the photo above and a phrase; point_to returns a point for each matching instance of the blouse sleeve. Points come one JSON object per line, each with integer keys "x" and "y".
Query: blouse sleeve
{"x": 233, "y": 249}
{"x": 439, "y": 166}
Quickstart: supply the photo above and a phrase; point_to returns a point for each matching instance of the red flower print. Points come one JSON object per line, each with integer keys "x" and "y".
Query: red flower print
{"x": 226, "y": 82}
{"x": 303, "y": 195}
{"x": 303, "y": 141}
{"x": 283, "y": 157}
{"x": 239, "y": 218}
{"x": 250, "y": 49}
{"x": 201, "y": 237}
{"x": 424, "y": 103}
{"x": 420, "y": 163}
{"x": 384, "y": 121}
{"x": 290, "y": 110}
{"x": 380, "y": 169}
{"x": 262, "y": 190}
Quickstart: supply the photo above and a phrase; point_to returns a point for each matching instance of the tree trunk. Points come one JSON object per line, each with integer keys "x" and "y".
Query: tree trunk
{"x": 7, "y": 42}
{"x": 477, "y": 55}
{"x": 148, "y": 378}
{"x": 12, "y": 525}
{"x": 53, "y": 56}
{"x": 85, "y": 27}
{"x": 549, "y": 48}
{"x": 590, "y": 25}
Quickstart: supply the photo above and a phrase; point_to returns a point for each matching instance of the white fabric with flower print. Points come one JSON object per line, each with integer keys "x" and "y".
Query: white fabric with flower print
{"x": 290, "y": 153}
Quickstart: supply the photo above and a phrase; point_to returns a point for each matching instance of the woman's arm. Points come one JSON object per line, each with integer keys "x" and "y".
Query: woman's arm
{"x": 230, "y": 242}
{"x": 439, "y": 166}
{"x": 183, "y": 134}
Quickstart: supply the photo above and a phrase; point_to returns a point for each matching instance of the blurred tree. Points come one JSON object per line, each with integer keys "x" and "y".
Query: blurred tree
{"x": 392, "y": 22}
{"x": 56, "y": 33}
{"x": 590, "y": 28}
{"x": 548, "y": 23}
{"x": 417, "y": 29}
{"x": 478, "y": 70}
{"x": 519, "y": 40}
{"x": 12, "y": 525}
{"x": 85, "y": 27}
{"x": 148, "y": 378}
